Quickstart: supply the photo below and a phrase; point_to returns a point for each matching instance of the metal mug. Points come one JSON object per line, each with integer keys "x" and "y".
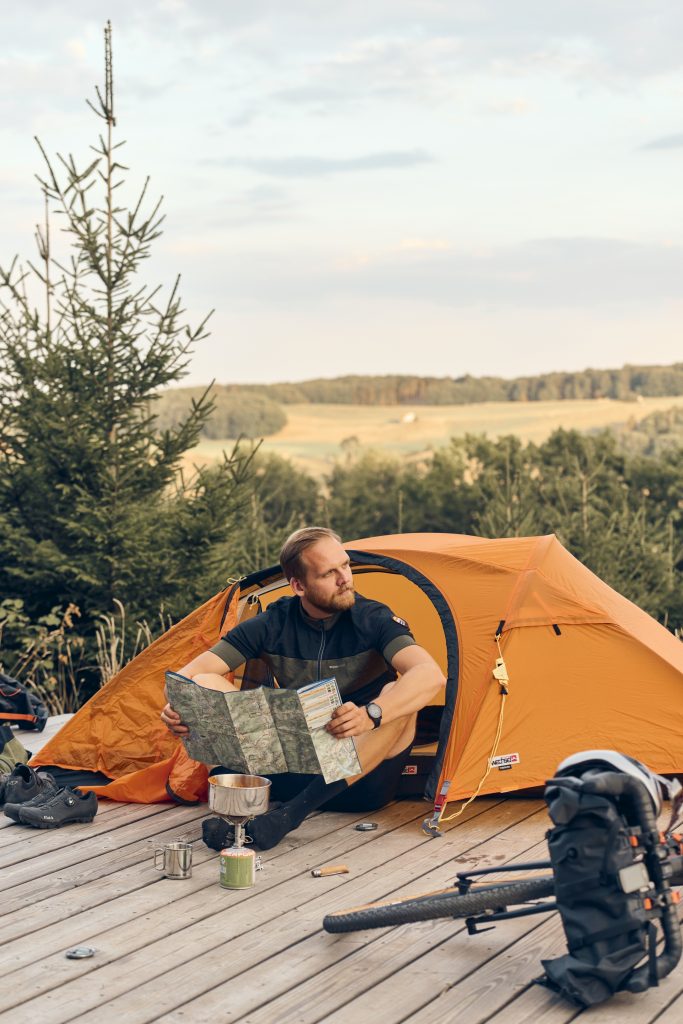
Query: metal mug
{"x": 176, "y": 860}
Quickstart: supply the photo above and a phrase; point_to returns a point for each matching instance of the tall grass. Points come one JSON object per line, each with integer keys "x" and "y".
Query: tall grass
{"x": 57, "y": 663}
{"x": 48, "y": 656}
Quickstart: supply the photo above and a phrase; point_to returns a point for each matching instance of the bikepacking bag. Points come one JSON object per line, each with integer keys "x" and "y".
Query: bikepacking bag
{"x": 609, "y": 864}
{"x": 18, "y": 706}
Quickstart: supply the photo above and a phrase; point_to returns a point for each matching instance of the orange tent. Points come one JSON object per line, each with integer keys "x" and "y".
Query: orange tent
{"x": 586, "y": 668}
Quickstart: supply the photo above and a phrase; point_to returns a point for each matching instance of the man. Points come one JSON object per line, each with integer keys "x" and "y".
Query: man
{"x": 327, "y": 630}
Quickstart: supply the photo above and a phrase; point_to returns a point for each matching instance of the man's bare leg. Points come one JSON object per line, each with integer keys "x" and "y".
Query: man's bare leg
{"x": 382, "y": 744}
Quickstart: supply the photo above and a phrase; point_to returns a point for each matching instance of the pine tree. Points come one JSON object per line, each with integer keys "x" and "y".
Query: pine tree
{"x": 507, "y": 487}
{"x": 93, "y": 504}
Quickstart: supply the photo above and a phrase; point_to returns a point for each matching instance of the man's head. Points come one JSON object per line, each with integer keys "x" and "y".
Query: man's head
{"x": 318, "y": 570}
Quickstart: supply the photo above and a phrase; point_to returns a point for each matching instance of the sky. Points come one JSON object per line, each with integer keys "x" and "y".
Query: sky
{"x": 432, "y": 187}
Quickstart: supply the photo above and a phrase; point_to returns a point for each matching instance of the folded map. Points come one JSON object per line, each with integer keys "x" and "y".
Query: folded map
{"x": 264, "y": 731}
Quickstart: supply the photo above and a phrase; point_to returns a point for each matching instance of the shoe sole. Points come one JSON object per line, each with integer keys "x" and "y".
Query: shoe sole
{"x": 55, "y": 824}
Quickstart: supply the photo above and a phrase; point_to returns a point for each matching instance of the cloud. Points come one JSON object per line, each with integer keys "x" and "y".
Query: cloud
{"x": 206, "y": 222}
{"x": 424, "y": 245}
{"x": 513, "y": 107}
{"x": 666, "y": 142}
{"x": 31, "y": 85}
{"x": 545, "y": 274}
{"x": 264, "y": 204}
{"x": 583, "y": 37}
{"x": 76, "y": 48}
{"x": 318, "y": 167}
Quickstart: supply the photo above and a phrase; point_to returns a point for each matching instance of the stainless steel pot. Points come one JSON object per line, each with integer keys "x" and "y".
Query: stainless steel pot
{"x": 237, "y": 798}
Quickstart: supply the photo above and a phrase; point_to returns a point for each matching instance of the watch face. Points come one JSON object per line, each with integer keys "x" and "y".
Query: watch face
{"x": 374, "y": 711}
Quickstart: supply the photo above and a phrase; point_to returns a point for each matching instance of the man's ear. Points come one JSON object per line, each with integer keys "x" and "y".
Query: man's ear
{"x": 296, "y": 587}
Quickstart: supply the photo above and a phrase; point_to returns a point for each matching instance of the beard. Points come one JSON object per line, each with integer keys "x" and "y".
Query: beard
{"x": 339, "y": 602}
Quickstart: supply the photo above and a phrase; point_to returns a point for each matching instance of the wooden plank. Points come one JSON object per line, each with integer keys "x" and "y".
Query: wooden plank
{"x": 52, "y": 727}
{"x": 179, "y": 952}
{"x": 75, "y": 846}
{"x": 391, "y": 980}
{"x": 67, "y": 902}
{"x": 320, "y": 975}
{"x": 35, "y": 741}
{"x": 11, "y": 832}
{"x": 537, "y": 1004}
{"x": 478, "y": 995}
{"x": 544, "y": 1007}
{"x": 102, "y": 862}
{"x": 32, "y": 842}
{"x": 73, "y": 853}
{"x": 232, "y": 918}
{"x": 194, "y": 961}
{"x": 196, "y": 919}
{"x": 480, "y": 990}
{"x": 324, "y": 972}
{"x": 68, "y": 911}
{"x": 540, "y": 1004}
{"x": 673, "y": 1014}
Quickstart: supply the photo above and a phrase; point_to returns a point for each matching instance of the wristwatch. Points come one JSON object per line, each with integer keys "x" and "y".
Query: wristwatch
{"x": 374, "y": 714}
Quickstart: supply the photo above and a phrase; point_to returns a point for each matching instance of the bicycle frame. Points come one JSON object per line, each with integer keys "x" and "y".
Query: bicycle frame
{"x": 465, "y": 880}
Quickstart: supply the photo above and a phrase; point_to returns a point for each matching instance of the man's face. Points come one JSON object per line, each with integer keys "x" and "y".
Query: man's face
{"x": 327, "y": 585}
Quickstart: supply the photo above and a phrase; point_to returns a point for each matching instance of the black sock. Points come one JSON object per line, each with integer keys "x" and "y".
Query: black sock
{"x": 268, "y": 829}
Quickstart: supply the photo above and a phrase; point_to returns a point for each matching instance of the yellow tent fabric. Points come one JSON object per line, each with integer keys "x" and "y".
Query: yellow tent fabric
{"x": 587, "y": 668}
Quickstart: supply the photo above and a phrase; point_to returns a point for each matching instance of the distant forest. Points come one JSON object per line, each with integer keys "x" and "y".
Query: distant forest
{"x": 624, "y": 384}
{"x": 253, "y": 410}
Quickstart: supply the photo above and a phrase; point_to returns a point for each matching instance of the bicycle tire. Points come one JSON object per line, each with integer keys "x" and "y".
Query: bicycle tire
{"x": 448, "y": 903}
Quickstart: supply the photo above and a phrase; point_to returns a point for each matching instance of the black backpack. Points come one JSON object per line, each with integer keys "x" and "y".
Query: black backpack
{"x": 610, "y": 866}
{"x": 18, "y": 706}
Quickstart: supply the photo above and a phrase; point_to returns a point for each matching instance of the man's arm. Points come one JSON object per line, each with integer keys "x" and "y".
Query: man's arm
{"x": 420, "y": 680}
{"x": 208, "y": 670}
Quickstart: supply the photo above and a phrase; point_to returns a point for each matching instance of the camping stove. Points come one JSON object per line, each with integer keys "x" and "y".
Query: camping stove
{"x": 237, "y": 799}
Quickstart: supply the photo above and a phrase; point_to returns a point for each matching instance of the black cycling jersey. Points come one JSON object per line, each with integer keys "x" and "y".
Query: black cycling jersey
{"x": 355, "y": 646}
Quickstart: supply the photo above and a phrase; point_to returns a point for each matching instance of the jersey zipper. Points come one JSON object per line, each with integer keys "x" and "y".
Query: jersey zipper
{"x": 320, "y": 652}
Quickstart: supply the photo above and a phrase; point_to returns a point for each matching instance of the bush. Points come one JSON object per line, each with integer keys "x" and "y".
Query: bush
{"x": 236, "y": 412}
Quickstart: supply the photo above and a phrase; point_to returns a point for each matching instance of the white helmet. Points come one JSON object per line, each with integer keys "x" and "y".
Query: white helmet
{"x": 657, "y": 786}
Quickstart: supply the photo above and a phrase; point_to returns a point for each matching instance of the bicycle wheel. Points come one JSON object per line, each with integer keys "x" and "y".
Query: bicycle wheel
{"x": 446, "y": 903}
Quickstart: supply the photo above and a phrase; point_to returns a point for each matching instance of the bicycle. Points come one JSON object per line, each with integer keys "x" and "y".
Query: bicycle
{"x": 611, "y": 873}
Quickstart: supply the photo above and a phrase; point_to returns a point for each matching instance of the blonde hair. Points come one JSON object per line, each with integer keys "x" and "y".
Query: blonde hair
{"x": 295, "y": 545}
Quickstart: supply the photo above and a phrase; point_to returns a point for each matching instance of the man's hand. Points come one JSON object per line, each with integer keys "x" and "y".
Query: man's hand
{"x": 171, "y": 720}
{"x": 349, "y": 720}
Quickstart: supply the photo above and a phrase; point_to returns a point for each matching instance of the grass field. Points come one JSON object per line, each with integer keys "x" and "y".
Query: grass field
{"x": 314, "y": 434}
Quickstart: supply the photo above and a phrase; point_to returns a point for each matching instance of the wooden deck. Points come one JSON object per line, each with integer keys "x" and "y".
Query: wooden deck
{"x": 189, "y": 951}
